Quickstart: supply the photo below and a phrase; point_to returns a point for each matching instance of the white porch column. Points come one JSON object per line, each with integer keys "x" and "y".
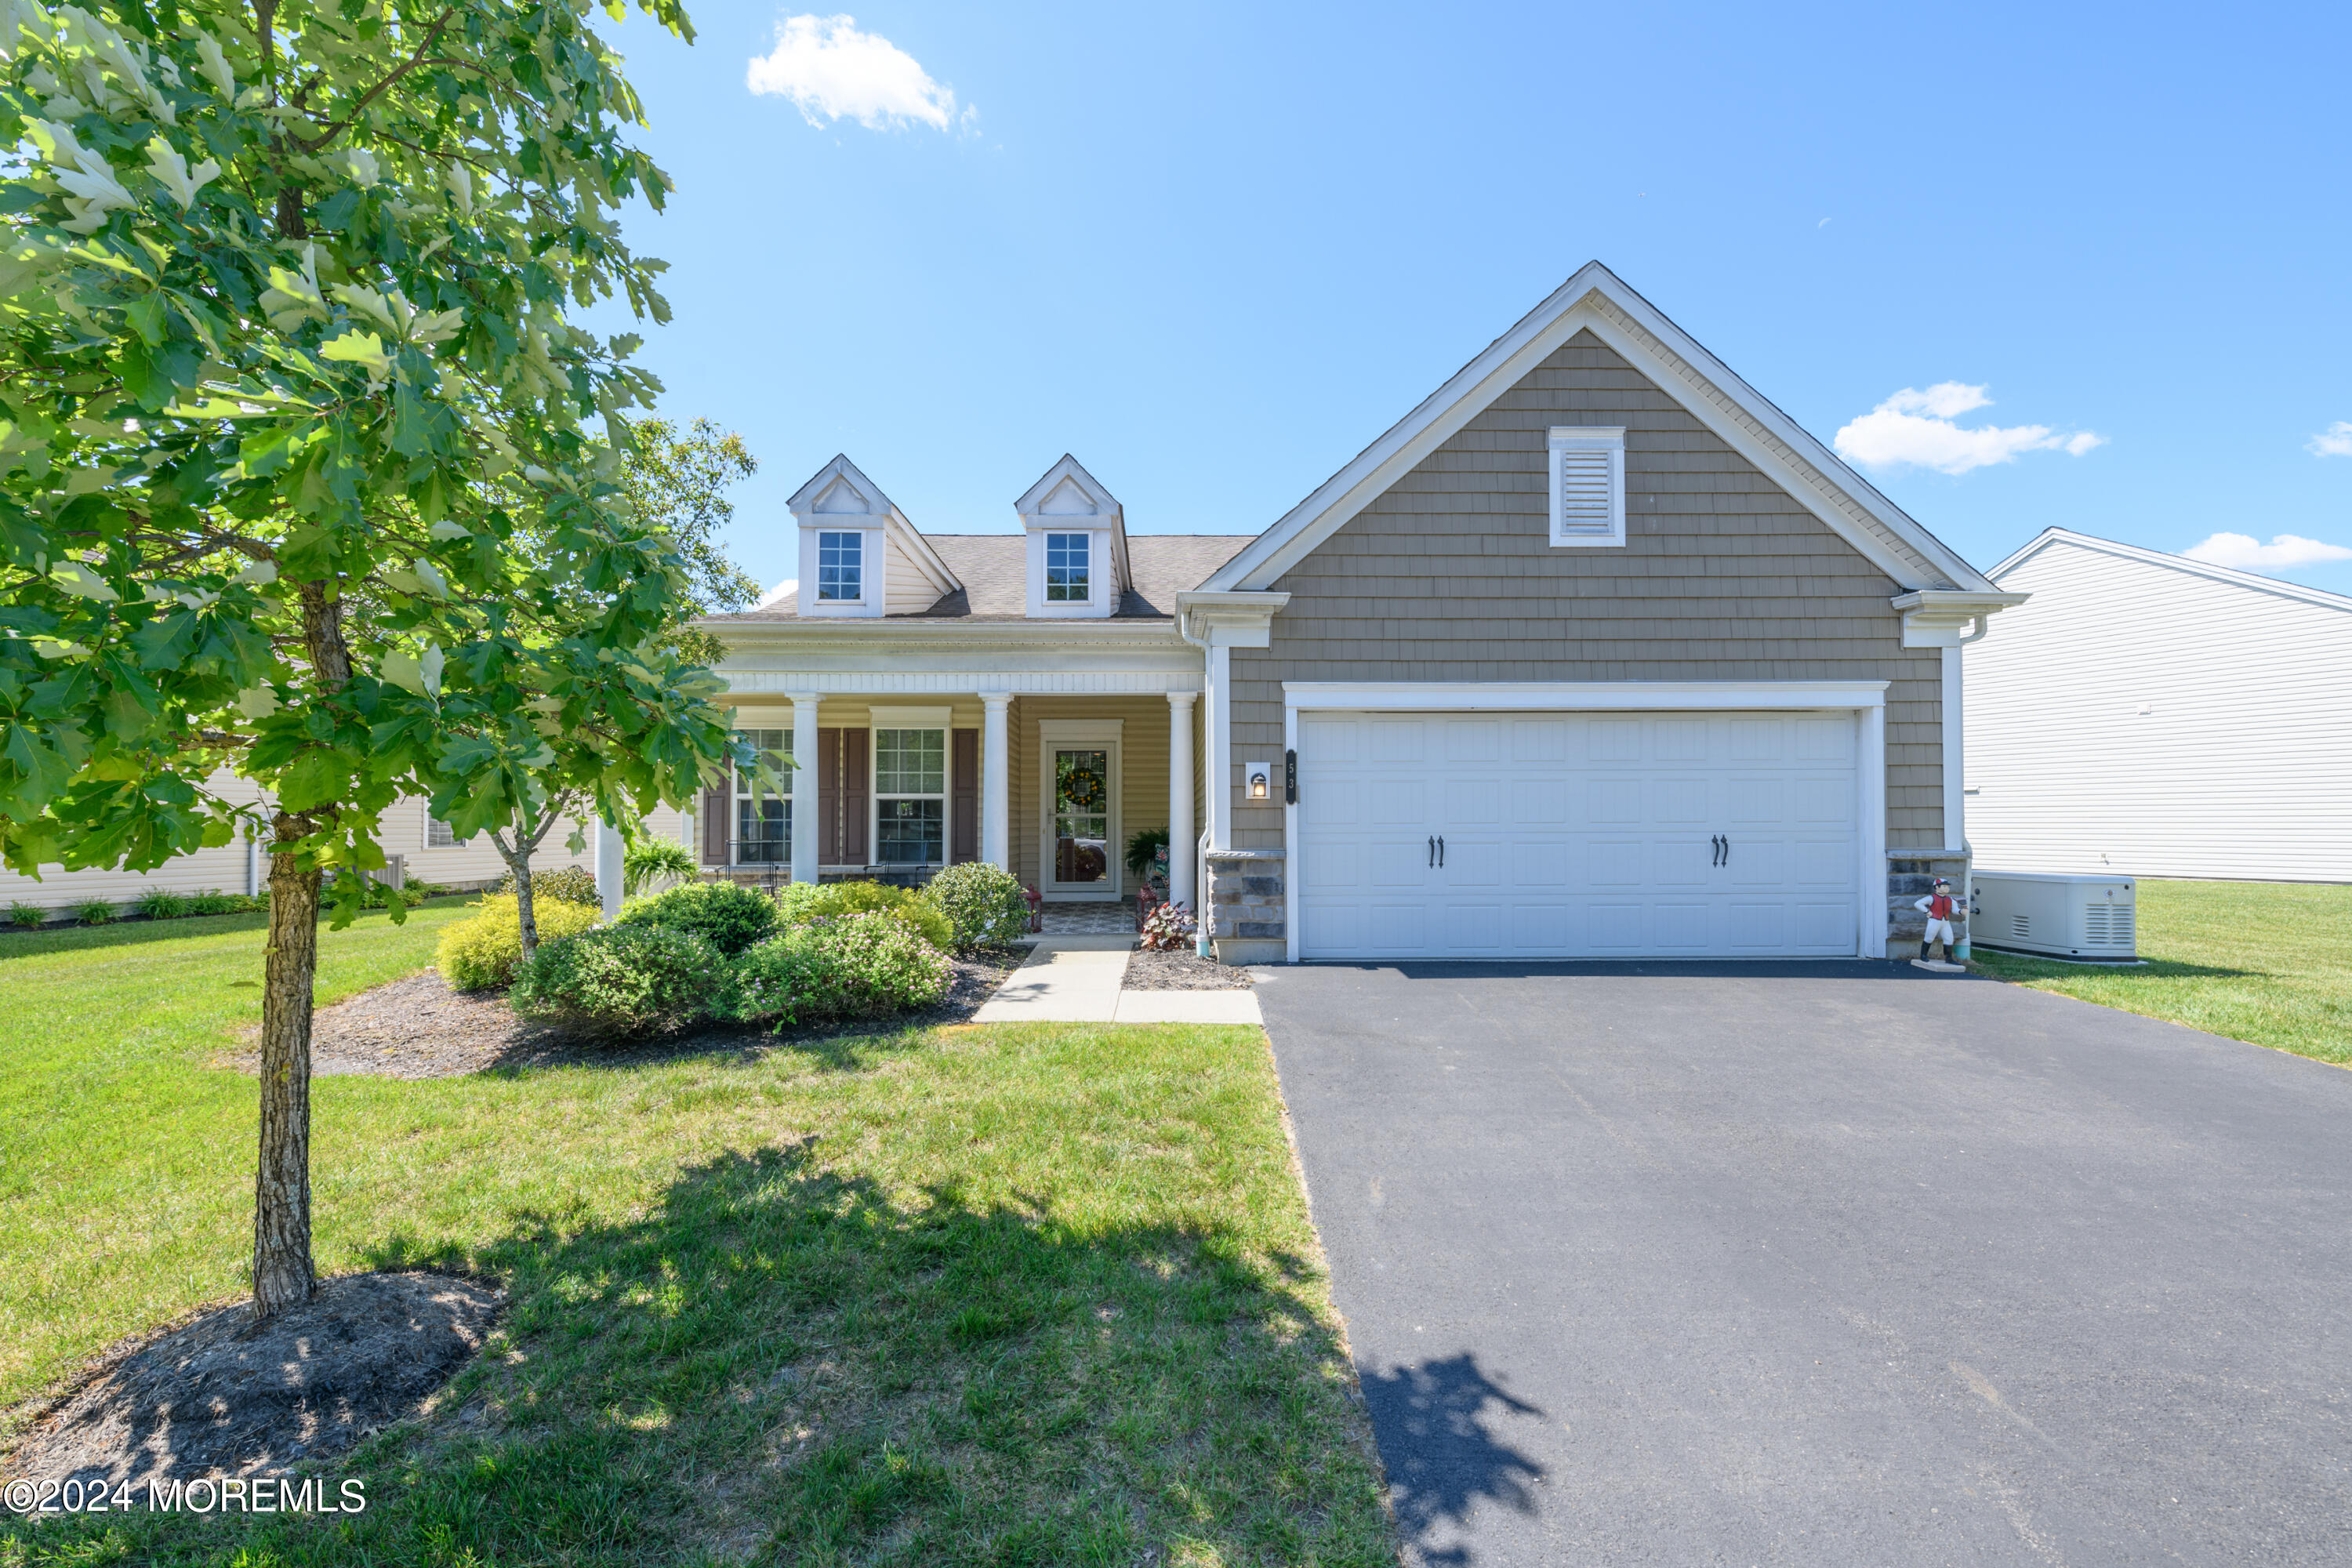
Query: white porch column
{"x": 805, "y": 809}
{"x": 608, "y": 868}
{"x": 996, "y": 780}
{"x": 1180, "y": 832}
{"x": 1217, "y": 709}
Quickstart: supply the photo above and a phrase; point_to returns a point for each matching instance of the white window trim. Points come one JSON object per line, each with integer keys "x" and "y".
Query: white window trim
{"x": 1583, "y": 440}
{"x": 1866, "y": 700}
{"x": 1098, "y": 604}
{"x": 873, "y": 551}
{"x": 426, "y": 842}
{"x": 936, "y": 719}
{"x": 737, "y": 795}
{"x": 1106, "y": 735}
{"x": 842, "y": 533}
{"x": 1085, "y": 538}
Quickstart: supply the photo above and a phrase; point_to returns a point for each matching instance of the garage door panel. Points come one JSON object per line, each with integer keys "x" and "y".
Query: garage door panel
{"x": 1392, "y": 801}
{"x": 1680, "y": 862}
{"x": 1757, "y": 863}
{"x": 1679, "y": 801}
{"x": 1610, "y": 802}
{"x": 1578, "y": 835}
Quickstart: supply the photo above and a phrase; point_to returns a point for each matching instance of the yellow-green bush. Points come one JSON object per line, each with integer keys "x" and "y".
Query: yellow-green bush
{"x": 480, "y": 953}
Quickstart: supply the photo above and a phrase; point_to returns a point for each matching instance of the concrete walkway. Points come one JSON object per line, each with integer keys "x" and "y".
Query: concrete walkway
{"x": 1077, "y": 979}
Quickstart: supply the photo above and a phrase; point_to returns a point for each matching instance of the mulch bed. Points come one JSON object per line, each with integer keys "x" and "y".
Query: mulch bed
{"x": 418, "y": 1028}
{"x": 1182, "y": 970}
{"x": 218, "y": 1395}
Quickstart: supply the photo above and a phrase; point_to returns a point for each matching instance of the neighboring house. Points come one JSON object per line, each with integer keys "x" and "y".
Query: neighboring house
{"x": 1595, "y": 654}
{"x": 429, "y": 852}
{"x": 2203, "y": 734}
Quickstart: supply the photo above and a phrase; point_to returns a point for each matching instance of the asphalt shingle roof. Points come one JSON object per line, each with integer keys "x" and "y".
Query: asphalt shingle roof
{"x": 994, "y": 567}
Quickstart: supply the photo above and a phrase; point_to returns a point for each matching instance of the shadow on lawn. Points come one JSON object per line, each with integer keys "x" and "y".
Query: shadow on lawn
{"x": 2023, "y": 967}
{"x": 129, "y": 931}
{"x": 783, "y": 1360}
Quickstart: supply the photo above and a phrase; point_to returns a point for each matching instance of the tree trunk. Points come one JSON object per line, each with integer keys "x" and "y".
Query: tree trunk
{"x": 283, "y": 1275}
{"x": 520, "y": 864}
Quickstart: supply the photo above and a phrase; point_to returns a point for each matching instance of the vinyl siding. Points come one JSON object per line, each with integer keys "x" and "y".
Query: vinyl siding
{"x": 1450, "y": 575}
{"x": 906, "y": 591}
{"x": 2240, "y": 769}
{"x": 224, "y": 868}
{"x": 1143, "y": 774}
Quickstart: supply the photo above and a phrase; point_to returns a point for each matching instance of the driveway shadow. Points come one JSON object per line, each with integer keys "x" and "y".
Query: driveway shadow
{"x": 1431, "y": 1422}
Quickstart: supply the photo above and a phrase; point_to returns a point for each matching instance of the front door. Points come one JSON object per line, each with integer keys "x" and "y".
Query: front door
{"x": 1081, "y": 787}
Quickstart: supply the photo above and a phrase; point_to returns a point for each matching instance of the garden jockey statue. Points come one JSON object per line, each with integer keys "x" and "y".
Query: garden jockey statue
{"x": 1940, "y": 908}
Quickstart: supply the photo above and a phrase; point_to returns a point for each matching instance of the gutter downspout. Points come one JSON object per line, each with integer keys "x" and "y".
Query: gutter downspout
{"x": 1969, "y": 856}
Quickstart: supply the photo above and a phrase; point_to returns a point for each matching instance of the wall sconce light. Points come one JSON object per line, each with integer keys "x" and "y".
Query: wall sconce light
{"x": 1257, "y": 781}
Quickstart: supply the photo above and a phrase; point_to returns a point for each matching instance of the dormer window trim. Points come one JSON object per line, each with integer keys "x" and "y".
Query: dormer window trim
{"x": 841, "y": 563}
{"x": 1069, "y": 567}
{"x": 1067, "y": 505}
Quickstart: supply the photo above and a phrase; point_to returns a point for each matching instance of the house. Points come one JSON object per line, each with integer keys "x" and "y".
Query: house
{"x": 2203, "y": 735}
{"x": 1594, "y": 653}
{"x": 428, "y": 852}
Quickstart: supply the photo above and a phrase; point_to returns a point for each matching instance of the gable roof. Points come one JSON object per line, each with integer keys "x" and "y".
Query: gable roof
{"x": 1596, "y": 301}
{"x": 2230, "y": 574}
{"x": 841, "y": 475}
{"x": 993, "y": 571}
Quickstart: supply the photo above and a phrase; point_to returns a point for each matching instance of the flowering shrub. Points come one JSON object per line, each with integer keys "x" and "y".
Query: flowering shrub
{"x": 1168, "y": 928}
{"x": 804, "y": 901}
{"x": 480, "y": 953}
{"x": 985, "y": 904}
{"x": 622, "y": 980}
{"x": 866, "y": 965}
{"x": 727, "y": 915}
{"x": 572, "y": 884}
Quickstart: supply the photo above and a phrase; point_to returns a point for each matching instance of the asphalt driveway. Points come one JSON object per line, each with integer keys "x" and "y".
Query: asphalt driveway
{"x": 1827, "y": 1264}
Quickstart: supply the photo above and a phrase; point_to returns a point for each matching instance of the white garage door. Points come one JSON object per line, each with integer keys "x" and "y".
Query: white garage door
{"x": 1599, "y": 835}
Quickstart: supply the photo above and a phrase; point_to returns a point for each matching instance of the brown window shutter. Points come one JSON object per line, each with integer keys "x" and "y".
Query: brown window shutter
{"x": 828, "y": 797}
{"x": 857, "y": 783}
{"x": 715, "y": 826}
{"x": 963, "y": 802}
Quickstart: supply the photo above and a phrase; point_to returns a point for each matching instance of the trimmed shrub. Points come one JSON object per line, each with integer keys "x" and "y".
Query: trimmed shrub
{"x": 571, "y": 884}
{"x": 28, "y": 917}
{"x": 727, "y": 916}
{"x": 93, "y": 912}
{"x": 804, "y": 901}
{"x": 162, "y": 904}
{"x": 866, "y": 965}
{"x": 481, "y": 953}
{"x": 984, "y": 904}
{"x": 623, "y": 979}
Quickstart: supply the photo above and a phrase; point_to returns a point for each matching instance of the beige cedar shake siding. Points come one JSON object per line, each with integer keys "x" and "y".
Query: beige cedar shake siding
{"x": 1448, "y": 576}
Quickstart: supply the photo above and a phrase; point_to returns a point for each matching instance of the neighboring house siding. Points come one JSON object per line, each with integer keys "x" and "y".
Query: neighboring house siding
{"x": 1449, "y": 576}
{"x": 2240, "y": 769}
{"x": 224, "y": 868}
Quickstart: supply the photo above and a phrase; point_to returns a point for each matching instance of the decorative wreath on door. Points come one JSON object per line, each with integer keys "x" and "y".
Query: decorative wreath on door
{"x": 1082, "y": 788}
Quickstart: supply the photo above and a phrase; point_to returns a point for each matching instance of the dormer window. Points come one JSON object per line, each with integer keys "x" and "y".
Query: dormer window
{"x": 841, "y": 565}
{"x": 1069, "y": 557}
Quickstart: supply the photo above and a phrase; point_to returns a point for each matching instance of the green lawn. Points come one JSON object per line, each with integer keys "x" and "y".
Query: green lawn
{"x": 2265, "y": 961}
{"x": 1037, "y": 1294}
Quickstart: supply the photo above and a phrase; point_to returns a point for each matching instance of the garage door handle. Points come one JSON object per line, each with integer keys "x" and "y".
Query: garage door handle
{"x": 1440, "y": 851}
{"x": 1433, "y": 851}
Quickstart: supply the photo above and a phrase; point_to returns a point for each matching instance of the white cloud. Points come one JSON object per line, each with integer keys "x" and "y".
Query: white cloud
{"x": 2335, "y": 441}
{"x": 832, "y": 72}
{"x": 778, "y": 592}
{"x": 1917, "y": 427}
{"x": 2249, "y": 554}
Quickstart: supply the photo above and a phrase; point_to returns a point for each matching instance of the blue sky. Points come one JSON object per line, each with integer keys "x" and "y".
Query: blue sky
{"x": 1215, "y": 250}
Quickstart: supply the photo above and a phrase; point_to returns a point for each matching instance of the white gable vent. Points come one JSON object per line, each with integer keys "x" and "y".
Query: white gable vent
{"x": 1587, "y": 483}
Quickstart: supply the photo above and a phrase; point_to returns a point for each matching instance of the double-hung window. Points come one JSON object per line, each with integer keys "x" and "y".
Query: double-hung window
{"x": 840, "y": 565}
{"x": 1068, "y": 568}
{"x": 910, "y": 797}
{"x": 764, "y": 819}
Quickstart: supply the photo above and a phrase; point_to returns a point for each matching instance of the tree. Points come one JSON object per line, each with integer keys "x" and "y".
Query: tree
{"x": 680, "y": 482}
{"x": 294, "y": 478}
{"x": 679, "y": 485}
